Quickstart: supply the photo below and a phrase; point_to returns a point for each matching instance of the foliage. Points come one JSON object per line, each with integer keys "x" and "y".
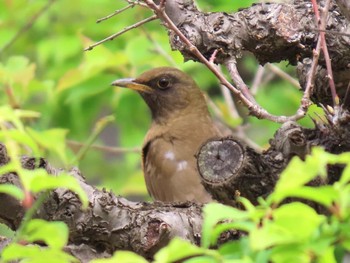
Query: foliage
{"x": 46, "y": 71}
{"x": 54, "y": 93}
{"x": 277, "y": 231}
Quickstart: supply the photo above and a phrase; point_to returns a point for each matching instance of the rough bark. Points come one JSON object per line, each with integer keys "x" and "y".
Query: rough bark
{"x": 272, "y": 32}
{"x": 110, "y": 223}
{"x": 113, "y": 223}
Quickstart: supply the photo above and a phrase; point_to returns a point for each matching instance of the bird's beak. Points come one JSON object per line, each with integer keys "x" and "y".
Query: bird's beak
{"x": 130, "y": 83}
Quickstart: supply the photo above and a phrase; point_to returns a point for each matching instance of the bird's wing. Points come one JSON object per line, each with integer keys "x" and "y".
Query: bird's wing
{"x": 171, "y": 175}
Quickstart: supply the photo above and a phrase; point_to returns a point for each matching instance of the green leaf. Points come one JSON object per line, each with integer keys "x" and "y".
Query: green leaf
{"x": 12, "y": 190}
{"x": 122, "y": 257}
{"x": 176, "y": 250}
{"x": 246, "y": 226}
{"x": 35, "y": 254}
{"x": 53, "y": 140}
{"x": 213, "y": 213}
{"x": 298, "y": 173}
{"x": 93, "y": 63}
{"x": 328, "y": 256}
{"x": 291, "y": 224}
{"x": 20, "y": 137}
{"x": 203, "y": 259}
{"x": 7, "y": 168}
{"x": 324, "y": 195}
{"x": 345, "y": 178}
{"x": 234, "y": 249}
{"x": 291, "y": 253}
{"x": 17, "y": 70}
{"x": 53, "y": 234}
{"x": 39, "y": 180}
{"x": 13, "y": 116}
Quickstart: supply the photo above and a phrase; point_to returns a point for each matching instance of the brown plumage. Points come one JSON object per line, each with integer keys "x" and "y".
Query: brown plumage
{"x": 180, "y": 124}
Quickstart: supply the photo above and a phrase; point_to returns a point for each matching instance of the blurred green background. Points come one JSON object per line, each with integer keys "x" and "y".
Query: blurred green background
{"x": 46, "y": 70}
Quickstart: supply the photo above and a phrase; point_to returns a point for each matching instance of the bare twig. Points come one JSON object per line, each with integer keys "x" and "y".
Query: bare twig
{"x": 162, "y": 4}
{"x": 136, "y": 2}
{"x": 108, "y": 149}
{"x": 144, "y": 21}
{"x": 159, "y": 50}
{"x": 257, "y": 80}
{"x": 116, "y": 13}
{"x": 27, "y": 26}
{"x": 322, "y": 25}
{"x": 346, "y": 102}
{"x": 229, "y": 101}
{"x": 305, "y": 101}
{"x": 11, "y": 97}
{"x": 99, "y": 127}
{"x": 213, "y": 56}
{"x": 237, "y": 79}
{"x": 252, "y": 106}
{"x": 283, "y": 75}
{"x": 329, "y": 32}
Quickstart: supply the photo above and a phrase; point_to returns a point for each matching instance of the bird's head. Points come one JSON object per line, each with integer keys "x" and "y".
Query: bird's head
{"x": 167, "y": 91}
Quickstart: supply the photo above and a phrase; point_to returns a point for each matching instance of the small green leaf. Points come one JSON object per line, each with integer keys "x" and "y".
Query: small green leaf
{"x": 246, "y": 226}
{"x": 8, "y": 114}
{"x": 53, "y": 234}
{"x": 290, "y": 253}
{"x": 39, "y": 180}
{"x": 213, "y": 213}
{"x": 345, "y": 178}
{"x": 234, "y": 249}
{"x": 203, "y": 259}
{"x": 12, "y": 190}
{"x": 18, "y": 70}
{"x": 53, "y": 139}
{"x": 292, "y": 223}
{"x": 324, "y": 195}
{"x": 20, "y": 137}
{"x": 35, "y": 254}
{"x": 298, "y": 173}
{"x": 176, "y": 250}
{"x": 328, "y": 256}
{"x": 122, "y": 257}
{"x": 7, "y": 168}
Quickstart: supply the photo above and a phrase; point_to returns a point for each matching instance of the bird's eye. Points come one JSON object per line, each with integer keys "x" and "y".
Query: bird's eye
{"x": 163, "y": 83}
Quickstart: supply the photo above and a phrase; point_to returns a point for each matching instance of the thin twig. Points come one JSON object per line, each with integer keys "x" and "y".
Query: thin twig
{"x": 115, "y": 13}
{"x": 310, "y": 82}
{"x": 136, "y": 2}
{"x": 322, "y": 25}
{"x": 27, "y": 26}
{"x": 257, "y": 80}
{"x": 253, "y": 107}
{"x": 237, "y": 79}
{"x": 217, "y": 112}
{"x": 213, "y": 56}
{"x": 229, "y": 101}
{"x": 328, "y": 32}
{"x": 283, "y": 75}
{"x": 108, "y": 149}
{"x": 158, "y": 49}
{"x": 11, "y": 97}
{"x": 122, "y": 32}
{"x": 346, "y": 102}
{"x": 99, "y": 127}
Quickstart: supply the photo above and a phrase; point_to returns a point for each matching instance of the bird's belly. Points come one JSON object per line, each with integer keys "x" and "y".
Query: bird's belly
{"x": 176, "y": 181}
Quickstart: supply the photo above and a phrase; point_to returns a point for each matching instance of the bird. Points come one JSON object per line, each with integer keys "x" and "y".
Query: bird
{"x": 181, "y": 123}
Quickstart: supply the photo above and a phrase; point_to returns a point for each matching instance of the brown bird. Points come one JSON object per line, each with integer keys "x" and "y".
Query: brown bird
{"x": 180, "y": 124}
